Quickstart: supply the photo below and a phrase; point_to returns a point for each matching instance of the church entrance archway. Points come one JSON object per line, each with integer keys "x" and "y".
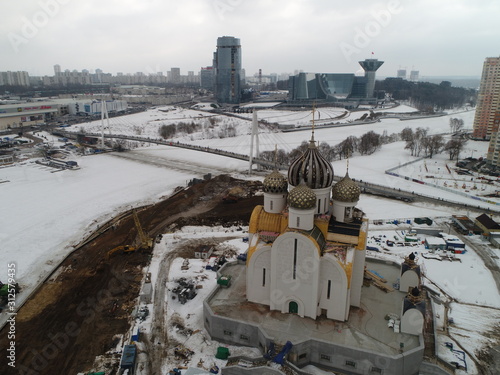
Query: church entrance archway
{"x": 293, "y": 307}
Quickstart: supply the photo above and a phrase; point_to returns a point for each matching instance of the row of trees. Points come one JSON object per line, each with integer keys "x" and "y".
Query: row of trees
{"x": 212, "y": 127}
{"x": 367, "y": 144}
{"x": 427, "y": 96}
{"x": 169, "y": 131}
{"x": 418, "y": 142}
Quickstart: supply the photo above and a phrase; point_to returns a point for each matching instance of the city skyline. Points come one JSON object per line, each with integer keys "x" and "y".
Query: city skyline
{"x": 282, "y": 36}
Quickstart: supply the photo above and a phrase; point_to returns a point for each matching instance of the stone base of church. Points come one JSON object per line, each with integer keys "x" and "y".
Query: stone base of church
{"x": 362, "y": 345}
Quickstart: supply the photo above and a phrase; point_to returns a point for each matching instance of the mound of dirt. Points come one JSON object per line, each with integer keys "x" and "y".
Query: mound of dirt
{"x": 74, "y": 317}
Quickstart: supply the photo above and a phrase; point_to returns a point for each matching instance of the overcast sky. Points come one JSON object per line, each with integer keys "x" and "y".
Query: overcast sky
{"x": 438, "y": 38}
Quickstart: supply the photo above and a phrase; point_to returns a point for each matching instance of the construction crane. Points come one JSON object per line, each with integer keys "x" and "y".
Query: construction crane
{"x": 146, "y": 242}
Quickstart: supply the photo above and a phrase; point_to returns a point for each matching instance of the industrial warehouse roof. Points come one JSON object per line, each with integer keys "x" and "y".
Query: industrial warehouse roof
{"x": 44, "y": 102}
{"x": 488, "y": 222}
{"x": 28, "y": 112}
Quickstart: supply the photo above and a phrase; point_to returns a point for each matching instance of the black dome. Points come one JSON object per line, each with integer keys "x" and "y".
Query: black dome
{"x": 312, "y": 167}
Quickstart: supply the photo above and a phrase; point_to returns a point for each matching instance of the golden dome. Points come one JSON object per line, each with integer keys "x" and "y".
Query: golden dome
{"x": 276, "y": 183}
{"x": 302, "y": 197}
{"x": 346, "y": 190}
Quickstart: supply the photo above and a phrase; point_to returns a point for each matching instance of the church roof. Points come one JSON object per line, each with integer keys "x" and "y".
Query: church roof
{"x": 312, "y": 167}
{"x": 346, "y": 190}
{"x": 414, "y": 299}
{"x": 349, "y": 229}
{"x": 275, "y": 182}
{"x": 316, "y": 234}
{"x": 302, "y": 197}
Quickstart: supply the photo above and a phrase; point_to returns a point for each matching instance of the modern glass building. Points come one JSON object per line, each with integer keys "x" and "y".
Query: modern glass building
{"x": 313, "y": 86}
{"x": 227, "y": 65}
{"x": 334, "y": 87}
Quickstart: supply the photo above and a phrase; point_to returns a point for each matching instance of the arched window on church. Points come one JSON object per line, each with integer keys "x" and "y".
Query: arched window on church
{"x": 295, "y": 259}
{"x": 271, "y": 204}
{"x": 298, "y": 221}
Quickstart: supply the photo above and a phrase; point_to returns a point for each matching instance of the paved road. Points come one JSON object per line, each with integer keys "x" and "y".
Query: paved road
{"x": 406, "y": 196}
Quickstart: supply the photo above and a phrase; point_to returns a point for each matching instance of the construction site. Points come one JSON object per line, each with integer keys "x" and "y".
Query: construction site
{"x": 77, "y": 312}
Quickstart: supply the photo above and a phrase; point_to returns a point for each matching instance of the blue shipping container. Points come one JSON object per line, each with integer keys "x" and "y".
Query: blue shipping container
{"x": 128, "y": 357}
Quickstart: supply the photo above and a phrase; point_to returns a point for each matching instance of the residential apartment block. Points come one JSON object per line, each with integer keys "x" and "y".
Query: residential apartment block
{"x": 487, "y": 118}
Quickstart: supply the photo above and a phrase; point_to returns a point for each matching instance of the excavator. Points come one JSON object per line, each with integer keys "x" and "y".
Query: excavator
{"x": 146, "y": 242}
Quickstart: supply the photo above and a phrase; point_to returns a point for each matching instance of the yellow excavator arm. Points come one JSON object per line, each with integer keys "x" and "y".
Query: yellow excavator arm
{"x": 146, "y": 242}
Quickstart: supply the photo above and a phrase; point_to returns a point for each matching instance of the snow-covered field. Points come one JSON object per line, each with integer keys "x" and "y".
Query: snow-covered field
{"x": 147, "y": 124}
{"x": 46, "y": 213}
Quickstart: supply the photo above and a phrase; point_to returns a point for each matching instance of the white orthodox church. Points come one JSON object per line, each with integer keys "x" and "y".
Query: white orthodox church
{"x": 307, "y": 242}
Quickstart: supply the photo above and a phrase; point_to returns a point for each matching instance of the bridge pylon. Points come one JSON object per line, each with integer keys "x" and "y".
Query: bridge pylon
{"x": 104, "y": 114}
{"x": 254, "y": 137}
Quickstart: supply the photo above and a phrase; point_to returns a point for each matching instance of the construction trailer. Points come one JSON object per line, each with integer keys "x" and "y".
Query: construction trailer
{"x": 128, "y": 359}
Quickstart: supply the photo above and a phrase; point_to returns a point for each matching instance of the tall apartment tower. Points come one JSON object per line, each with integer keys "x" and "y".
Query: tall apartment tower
{"x": 175, "y": 75}
{"x": 207, "y": 78}
{"x": 487, "y": 118}
{"x": 57, "y": 69}
{"x": 401, "y": 73}
{"x": 227, "y": 65}
{"x": 370, "y": 66}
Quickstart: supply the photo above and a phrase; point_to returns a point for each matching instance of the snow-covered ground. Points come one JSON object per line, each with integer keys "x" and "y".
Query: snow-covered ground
{"x": 332, "y": 136}
{"x": 147, "y": 124}
{"x": 447, "y": 275}
{"x": 46, "y": 213}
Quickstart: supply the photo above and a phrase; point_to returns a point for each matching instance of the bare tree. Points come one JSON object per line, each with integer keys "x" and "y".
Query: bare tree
{"x": 137, "y": 130}
{"x": 369, "y": 143}
{"x": 415, "y": 143}
{"x": 456, "y": 124}
{"x": 347, "y": 147}
{"x": 281, "y": 157}
{"x": 167, "y": 131}
{"x": 432, "y": 144}
{"x": 385, "y": 138}
{"x": 298, "y": 151}
{"x": 327, "y": 151}
{"x": 420, "y": 135}
{"x": 407, "y": 134}
{"x": 454, "y": 147}
{"x": 213, "y": 120}
{"x": 119, "y": 144}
